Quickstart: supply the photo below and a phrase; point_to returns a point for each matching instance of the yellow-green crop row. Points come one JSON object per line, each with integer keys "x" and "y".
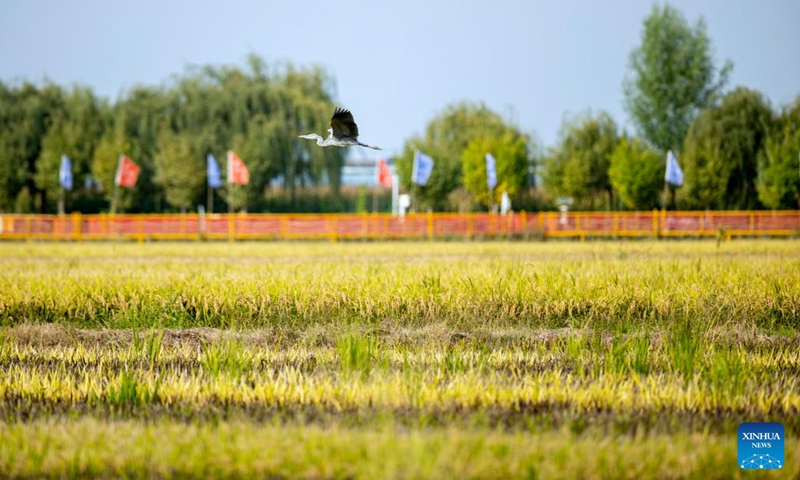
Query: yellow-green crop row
{"x": 204, "y": 403}
{"x": 240, "y": 449}
{"x": 572, "y": 377}
{"x": 464, "y": 286}
{"x": 395, "y": 360}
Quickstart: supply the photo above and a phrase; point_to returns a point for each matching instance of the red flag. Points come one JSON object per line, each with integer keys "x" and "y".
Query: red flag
{"x": 237, "y": 170}
{"x": 384, "y": 175}
{"x": 127, "y": 172}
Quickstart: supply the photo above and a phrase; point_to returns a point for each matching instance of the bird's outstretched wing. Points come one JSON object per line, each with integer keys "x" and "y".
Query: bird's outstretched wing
{"x": 343, "y": 124}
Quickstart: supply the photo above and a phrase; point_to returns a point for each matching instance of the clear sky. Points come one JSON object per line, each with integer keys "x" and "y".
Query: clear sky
{"x": 397, "y": 64}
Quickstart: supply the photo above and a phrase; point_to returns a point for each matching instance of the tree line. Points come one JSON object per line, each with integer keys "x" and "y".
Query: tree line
{"x": 736, "y": 150}
{"x": 257, "y": 111}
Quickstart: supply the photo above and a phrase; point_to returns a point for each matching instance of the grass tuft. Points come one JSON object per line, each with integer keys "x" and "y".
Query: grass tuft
{"x": 357, "y": 354}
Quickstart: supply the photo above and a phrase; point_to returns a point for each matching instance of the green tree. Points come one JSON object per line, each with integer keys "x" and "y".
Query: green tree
{"x": 132, "y": 127}
{"x": 259, "y": 109}
{"x": 259, "y": 115}
{"x": 257, "y": 149}
{"x": 307, "y": 107}
{"x": 673, "y": 77}
{"x": 26, "y": 114}
{"x": 637, "y": 174}
{"x": 8, "y": 175}
{"x": 104, "y": 169}
{"x": 720, "y": 154}
{"x": 778, "y": 182}
{"x": 54, "y": 144}
{"x": 445, "y": 139}
{"x": 73, "y": 131}
{"x": 180, "y": 170}
{"x": 578, "y": 165}
{"x": 511, "y": 158}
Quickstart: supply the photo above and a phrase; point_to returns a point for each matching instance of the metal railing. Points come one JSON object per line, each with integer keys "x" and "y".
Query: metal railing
{"x": 658, "y": 224}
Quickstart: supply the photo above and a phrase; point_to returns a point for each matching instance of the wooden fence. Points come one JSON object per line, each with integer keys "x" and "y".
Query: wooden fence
{"x": 658, "y": 224}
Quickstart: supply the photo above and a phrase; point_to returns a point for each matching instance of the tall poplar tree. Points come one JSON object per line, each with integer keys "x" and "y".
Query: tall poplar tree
{"x": 672, "y": 79}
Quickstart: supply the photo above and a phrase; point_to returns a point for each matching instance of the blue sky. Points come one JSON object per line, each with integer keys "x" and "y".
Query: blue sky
{"x": 398, "y": 64}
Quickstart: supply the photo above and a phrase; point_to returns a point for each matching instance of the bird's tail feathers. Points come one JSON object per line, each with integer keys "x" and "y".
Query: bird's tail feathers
{"x": 369, "y": 146}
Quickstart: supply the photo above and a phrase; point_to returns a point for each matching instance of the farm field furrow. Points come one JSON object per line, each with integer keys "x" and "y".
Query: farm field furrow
{"x": 395, "y": 360}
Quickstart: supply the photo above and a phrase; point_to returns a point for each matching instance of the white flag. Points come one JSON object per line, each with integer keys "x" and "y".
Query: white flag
{"x": 65, "y": 173}
{"x": 674, "y": 173}
{"x": 505, "y": 203}
{"x": 421, "y": 172}
{"x": 491, "y": 171}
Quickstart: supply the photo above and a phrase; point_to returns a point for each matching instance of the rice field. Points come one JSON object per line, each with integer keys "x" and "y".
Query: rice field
{"x": 395, "y": 360}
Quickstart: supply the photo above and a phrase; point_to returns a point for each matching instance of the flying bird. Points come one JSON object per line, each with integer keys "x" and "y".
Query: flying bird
{"x": 343, "y": 131}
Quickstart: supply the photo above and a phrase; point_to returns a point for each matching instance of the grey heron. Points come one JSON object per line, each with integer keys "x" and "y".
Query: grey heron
{"x": 343, "y": 131}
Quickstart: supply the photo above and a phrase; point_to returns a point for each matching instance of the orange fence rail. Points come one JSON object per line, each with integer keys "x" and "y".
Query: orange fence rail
{"x": 658, "y": 224}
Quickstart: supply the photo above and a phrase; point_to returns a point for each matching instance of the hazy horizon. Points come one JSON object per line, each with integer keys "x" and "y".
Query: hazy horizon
{"x": 396, "y": 68}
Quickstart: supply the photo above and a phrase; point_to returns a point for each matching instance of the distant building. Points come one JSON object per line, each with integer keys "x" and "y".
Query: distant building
{"x": 362, "y": 172}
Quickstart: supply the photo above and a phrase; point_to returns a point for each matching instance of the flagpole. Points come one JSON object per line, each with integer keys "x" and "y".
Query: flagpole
{"x": 64, "y": 173}
{"x": 416, "y": 189}
{"x": 209, "y": 193}
{"x": 488, "y": 184}
{"x": 669, "y": 196}
{"x": 665, "y": 202}
{"x": 375, "y": 188}
{"x": 395, "y": 194}
{"x": 414, "y": 184}
{"x": 115, "y": 197}
{"x": 491, "y": 197}
{"x": 665, "y": 196}
{"x": 230, "y": 183}
{"x": 115, "y": 200}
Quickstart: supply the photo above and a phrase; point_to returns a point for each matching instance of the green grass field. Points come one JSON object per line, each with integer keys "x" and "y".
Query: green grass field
{"x": 395, "y": 360}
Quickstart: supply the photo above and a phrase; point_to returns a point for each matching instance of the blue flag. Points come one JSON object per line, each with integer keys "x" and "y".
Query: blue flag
{"x": 674, "y": 174}
{"x": 65, "y": 173}
{"x": 491, "y": 171}
{"x": 421, "y": 172}
{"x": 214, "y": 179}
